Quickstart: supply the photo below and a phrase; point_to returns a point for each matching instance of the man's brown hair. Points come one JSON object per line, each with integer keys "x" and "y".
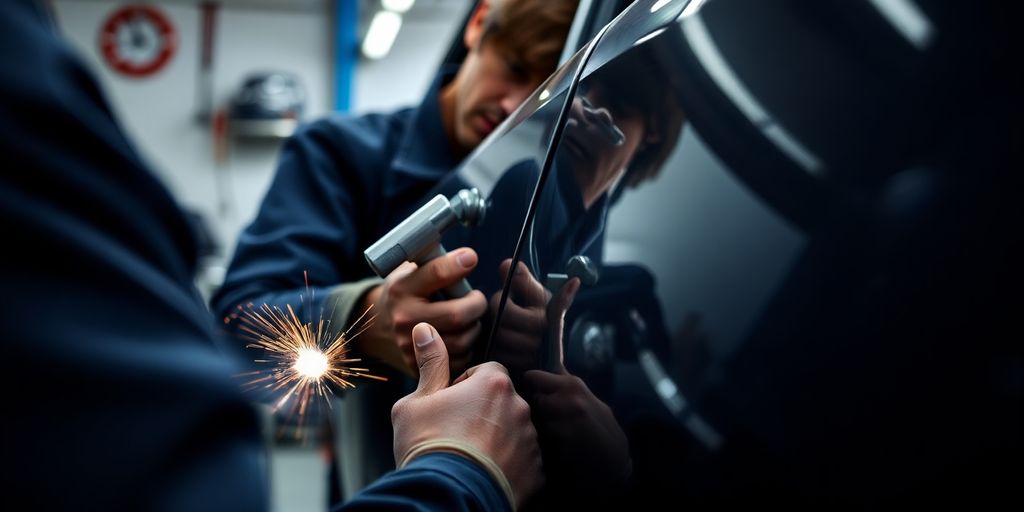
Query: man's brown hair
{"x": 636, "y": 83}
{"x": 533, "y": 31}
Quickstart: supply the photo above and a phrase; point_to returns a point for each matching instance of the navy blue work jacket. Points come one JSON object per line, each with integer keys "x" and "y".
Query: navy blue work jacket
{"x": 342, "y": 182}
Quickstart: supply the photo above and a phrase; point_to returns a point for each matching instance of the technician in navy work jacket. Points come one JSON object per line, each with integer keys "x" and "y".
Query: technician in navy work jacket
{"x": 116, "y": 394}
{"x": 344, "y": 181}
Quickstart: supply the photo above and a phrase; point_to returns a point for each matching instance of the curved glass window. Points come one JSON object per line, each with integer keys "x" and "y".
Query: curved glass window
{"x": 714, "y": 236}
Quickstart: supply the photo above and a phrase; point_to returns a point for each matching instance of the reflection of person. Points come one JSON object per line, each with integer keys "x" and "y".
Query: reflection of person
{"x": 532, "y": 316}
{"x": 622, "y": 127}
{"x": 586, "y": 454}
{"x": 601, "y": 144}
{"x": 624, "y": 124}
{"x": 132, "y": 406}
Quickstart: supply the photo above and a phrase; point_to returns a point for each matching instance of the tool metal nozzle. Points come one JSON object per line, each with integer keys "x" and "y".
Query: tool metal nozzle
{"x": 418, "y": 237}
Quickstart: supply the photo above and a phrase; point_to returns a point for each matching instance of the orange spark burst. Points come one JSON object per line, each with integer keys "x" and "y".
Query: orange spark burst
{"x": 306, "y": 358}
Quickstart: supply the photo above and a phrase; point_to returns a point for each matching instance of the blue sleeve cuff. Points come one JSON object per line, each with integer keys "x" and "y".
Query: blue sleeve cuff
{"x": 435, "y": 481}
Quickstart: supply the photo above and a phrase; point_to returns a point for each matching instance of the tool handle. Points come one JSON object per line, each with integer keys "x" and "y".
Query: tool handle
{"x": 458, "y": 289}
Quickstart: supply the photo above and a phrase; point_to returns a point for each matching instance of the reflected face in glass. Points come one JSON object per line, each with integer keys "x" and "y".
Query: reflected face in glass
{"x": 600, "y": 139}
{"x": 490, "y": 85}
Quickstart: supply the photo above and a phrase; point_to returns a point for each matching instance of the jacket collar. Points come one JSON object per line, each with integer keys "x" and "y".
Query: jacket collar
{"x": 424, "y": 150}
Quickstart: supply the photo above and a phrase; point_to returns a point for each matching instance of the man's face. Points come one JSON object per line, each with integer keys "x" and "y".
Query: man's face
{"x": 492, "y": 84}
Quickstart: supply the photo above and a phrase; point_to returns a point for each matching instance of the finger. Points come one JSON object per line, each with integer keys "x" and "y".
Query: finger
{"x": 441, "y": 272}
{"x": 401, "y": 271}
{"x": 555, "y": 420}
{"x": 462, "y": 376}
{"x": 431, "y": 357}
{"x": 489, "y": 366}
{"x": 565, "y": 296}
{"x": 544, "y": 407}
{"x": 517, "y": 361}
{"x": 542, "y": 382}
{"x": 525, "y": 288}
{"x": 485, "y": 366}
{"x": 529, "y": 321}
{"x": 556, "y": 324}
{"x": 452, "y": 315}
{"x": 531, "y": 291}
{"x": 503, "y": 268}
{"x": 460, "y": 344}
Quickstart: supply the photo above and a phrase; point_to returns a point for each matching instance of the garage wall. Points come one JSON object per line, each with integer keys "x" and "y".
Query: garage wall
{"x": 160, "y": 112}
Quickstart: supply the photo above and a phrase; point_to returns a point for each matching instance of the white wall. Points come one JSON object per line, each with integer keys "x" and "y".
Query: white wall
{"x": 403, "y": 76}
{"x": 159, "y": 112}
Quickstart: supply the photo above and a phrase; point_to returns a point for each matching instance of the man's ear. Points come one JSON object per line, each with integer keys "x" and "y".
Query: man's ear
{"x": 475, "y": 26}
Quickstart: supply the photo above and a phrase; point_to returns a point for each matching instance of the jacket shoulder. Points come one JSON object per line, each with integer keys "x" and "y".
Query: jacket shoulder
{"x": 367, "y": 141}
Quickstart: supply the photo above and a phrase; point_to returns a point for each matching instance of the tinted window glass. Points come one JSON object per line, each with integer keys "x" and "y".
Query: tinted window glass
{"x": 751, "y": 198}
{"x": 505, "y": 169}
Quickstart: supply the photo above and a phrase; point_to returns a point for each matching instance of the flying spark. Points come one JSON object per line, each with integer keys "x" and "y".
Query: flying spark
{"x": 306, "y": 360}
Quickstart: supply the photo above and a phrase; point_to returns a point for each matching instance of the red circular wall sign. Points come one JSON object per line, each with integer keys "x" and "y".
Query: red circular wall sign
{"x": 138, "y": 40}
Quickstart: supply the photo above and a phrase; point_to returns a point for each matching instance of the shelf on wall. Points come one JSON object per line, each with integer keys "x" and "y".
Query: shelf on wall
{"x": 263, "y": 128}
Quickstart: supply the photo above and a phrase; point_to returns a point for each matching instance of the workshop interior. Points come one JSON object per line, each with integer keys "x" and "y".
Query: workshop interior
{"x": 781, "y": 241}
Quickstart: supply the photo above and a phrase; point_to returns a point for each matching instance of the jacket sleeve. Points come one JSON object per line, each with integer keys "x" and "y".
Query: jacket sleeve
{"x": 306, "y": 238}
{"x": 118, "y": 398}
{"x": 435, "y": 481}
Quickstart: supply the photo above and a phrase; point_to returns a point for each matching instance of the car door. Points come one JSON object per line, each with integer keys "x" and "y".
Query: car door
{"x": 766, "y": 207}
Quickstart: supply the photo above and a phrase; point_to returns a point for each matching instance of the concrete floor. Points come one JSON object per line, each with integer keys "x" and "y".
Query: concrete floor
{"x": 298, "y": 476}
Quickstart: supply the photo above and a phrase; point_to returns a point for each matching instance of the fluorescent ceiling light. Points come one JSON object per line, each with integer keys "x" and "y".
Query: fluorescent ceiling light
{"x": 397, "y": 5}
{"x": 381, "y": 34}
{"x": 908, "y": 19}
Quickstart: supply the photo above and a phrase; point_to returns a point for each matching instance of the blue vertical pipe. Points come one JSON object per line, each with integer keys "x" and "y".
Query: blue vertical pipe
{"x": 346, "y": 51}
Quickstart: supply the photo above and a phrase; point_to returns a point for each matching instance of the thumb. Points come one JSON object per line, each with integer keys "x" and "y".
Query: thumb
{"x": 431, "y": 357}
